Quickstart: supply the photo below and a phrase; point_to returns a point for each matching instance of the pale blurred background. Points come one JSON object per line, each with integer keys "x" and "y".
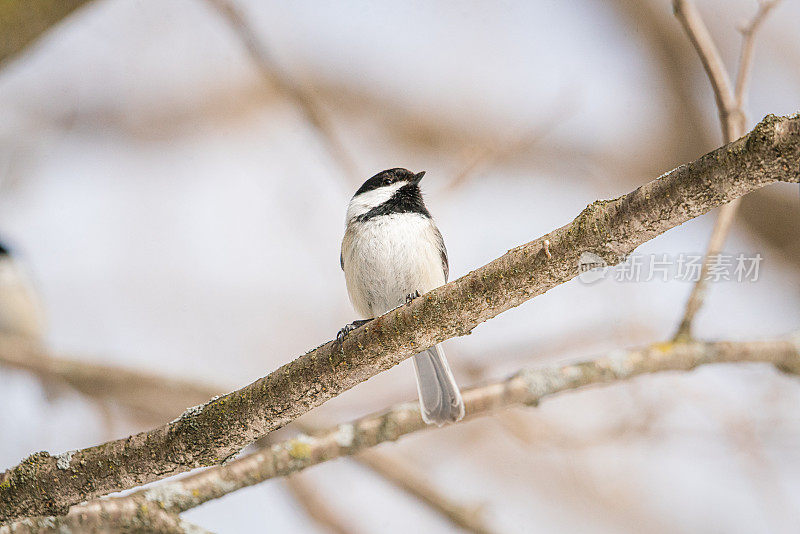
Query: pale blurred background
{"x": 179, "y": 216}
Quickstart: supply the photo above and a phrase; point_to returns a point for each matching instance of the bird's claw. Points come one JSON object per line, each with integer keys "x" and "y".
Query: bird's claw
{"x": 412, "y": 296}
{"x": 349, "y": 328}
{"x": 343, "y": 332}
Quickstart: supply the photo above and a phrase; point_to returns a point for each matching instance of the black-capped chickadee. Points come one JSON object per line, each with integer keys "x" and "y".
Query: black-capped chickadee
{"x": 391, "y": 253}
{"x": 20, "y": 313}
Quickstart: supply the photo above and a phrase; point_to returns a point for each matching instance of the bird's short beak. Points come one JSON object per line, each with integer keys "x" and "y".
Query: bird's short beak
{"x": 418, "y": 177}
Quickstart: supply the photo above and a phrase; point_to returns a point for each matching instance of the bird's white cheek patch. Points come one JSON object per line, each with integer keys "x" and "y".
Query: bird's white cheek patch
{"x": 364, "y": 202}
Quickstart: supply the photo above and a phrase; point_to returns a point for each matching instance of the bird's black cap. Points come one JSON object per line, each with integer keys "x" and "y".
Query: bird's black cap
{"x": 406, "y": 199}
{"x": 4, "y": 250}
{"x": 388, "y": 177}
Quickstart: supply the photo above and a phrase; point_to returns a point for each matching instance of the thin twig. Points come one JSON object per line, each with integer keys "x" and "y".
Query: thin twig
{"x": 748, "y": 46}
{"x": 408, "y": 478}
{"x": 489, "y": 156}
{"x": 316, "y": 506}
{"x": 719, "y": 234}
{"x": 730, "y": 107}
{"x": 701, "y": 39}
{"x": 283, "y": 82}
{"x": 546, "y": 246}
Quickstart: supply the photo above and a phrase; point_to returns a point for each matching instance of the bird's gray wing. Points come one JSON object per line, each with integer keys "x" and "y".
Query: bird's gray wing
{"x": 341, "y": 249}
{"x": 442, "y": 253}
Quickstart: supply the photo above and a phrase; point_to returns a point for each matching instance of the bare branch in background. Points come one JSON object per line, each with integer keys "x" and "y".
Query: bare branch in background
{"x": 746, "y": 56}
{"x": 24, "y": 21}
{"x": 302, "y": 99}
{"x": 133, "y": 390}
{"x": 701, "y": 39}
{"x": 719, "y": 234}
{"x": 485, "y": 157}
{"x": 210, "y": 434}
{"x": 651, "y": 23}
{"x": 315, "y": 505}
{"x": 408, "y": 478}
{"x": 527, "y": 387}
{"x": 488, "y": 156}
{"x": 674, "y": 56}
{"x": 732, "y": 118}
{"x": 156, "y": 399}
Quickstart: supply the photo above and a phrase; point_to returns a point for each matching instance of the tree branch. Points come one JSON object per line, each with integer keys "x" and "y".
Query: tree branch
{"x": 157, "y": 399}
{"x": 701, "y": 39}
{"x": 407, "y": 478}
{"x": 315, "y": 506}
{"x": 487, "y": 155}
{"x": 746, "y": 56}
{"x": 732, "y": 119}
{"x": 104, "y": 516}
{"x": 209, "y": 434}
{"x": 527, "y": 387}
{"x": 302, "y": 99}
{"x": 23, "y": 21}
{"x": 134, "y": 390}
{"x": 650, "y": 23}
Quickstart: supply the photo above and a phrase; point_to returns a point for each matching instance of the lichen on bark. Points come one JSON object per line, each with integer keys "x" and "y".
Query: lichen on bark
{"x": 612, "y": 228}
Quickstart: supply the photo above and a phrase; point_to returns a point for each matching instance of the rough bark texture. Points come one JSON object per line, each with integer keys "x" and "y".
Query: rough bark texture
{"x": 527, "y": 387}
{"x": 730, "y": 106}
{"x": 157, "y": 399}
{"x": 22, "y": 21}
{"x": 125, "y": 516}
{"x": 209, "y": 434}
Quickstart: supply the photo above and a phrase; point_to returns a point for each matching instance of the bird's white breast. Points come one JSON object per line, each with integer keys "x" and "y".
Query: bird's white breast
{"x": 388, "y": 257}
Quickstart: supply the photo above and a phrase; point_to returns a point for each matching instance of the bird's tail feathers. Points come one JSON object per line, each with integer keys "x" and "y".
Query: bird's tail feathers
{"x": 439, "y": 397}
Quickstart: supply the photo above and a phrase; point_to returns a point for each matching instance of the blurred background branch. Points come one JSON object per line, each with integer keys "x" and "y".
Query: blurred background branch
{"x": 408, "y": 478}
{"x": 316, "y": 506}
{"x": 24, "y": 21}
{"x": 730, "y": 106}
{"x": 303, "y": 99}
{"x": 689, "y": 135}
{"x": 149, "y": 397}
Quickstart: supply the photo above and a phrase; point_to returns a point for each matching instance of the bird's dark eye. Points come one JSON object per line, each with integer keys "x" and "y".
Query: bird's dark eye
{"x": 387, "y": 181}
